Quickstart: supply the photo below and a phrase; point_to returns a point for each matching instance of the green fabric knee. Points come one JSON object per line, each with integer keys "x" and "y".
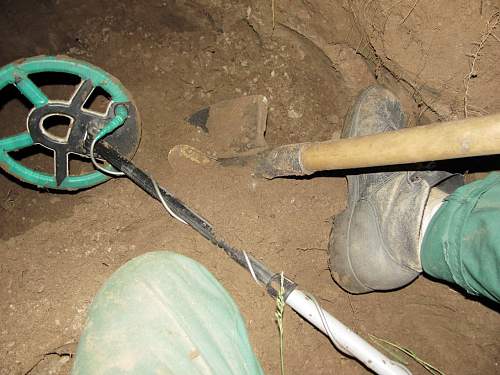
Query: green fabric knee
{"x": 462, "y": 242}
{"x": 163, "y": 313}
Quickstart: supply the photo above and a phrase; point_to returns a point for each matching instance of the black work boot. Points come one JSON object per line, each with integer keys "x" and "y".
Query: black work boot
{"x": 374, "y": 243}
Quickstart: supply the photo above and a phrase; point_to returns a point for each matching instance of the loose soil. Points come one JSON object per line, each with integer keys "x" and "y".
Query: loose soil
{"x": 57, "y": 248}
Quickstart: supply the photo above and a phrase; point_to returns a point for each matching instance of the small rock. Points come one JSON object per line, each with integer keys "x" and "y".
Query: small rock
{"x": 336, "y": 134}
{"x": 292, "y": 113}
{"x": 332, "y": 119}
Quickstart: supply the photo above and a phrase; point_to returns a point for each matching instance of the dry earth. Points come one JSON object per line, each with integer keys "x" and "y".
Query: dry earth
{"x": 57, "y": 248}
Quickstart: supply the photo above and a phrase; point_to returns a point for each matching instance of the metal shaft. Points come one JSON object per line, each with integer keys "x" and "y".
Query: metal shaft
{"x": 198, "y": 223}
{"x": 342, "y": 337}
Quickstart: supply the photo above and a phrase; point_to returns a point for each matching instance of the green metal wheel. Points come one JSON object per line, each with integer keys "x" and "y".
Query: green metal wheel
{"x": 121, "y": 121}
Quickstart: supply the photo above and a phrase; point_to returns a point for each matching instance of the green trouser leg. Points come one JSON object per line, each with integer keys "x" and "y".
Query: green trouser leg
{"x": 163, "y": 313}
{"x": 462, "y": 242}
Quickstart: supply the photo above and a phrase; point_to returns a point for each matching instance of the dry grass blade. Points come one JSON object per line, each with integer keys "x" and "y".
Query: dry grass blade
{"x": 388, "y": 349}
{"x": 410, "y": 12}
{"x": 430, "y": 368}
{"x": 273, "y": 9}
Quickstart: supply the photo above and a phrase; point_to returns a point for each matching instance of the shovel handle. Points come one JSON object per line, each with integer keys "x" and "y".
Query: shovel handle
{"x": 439, "y": 141}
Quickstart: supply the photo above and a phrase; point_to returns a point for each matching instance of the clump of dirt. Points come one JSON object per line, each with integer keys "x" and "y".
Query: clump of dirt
{"x": 177, "y": 57}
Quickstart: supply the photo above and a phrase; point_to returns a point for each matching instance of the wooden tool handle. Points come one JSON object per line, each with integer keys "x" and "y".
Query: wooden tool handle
{"x": 439, "y": 141}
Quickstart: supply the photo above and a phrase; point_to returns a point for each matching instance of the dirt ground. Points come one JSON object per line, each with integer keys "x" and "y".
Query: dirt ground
{"x": 57, "y": 248}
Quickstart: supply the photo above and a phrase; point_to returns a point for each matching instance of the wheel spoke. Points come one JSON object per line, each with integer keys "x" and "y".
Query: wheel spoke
{"x": 81, "y": 94}
{"x": 61, "y": 167}
{"x": 31, "y": 91}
